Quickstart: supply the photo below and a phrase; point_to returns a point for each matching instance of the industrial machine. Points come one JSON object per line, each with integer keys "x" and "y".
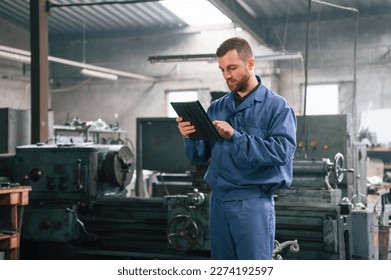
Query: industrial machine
{"x": 79, "y": 207}
{"x": 315, "y": 212}
{"x": 327, "y": 207}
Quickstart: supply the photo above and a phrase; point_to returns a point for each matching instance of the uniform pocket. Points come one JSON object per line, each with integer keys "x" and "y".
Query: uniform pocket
{"x": 254, "y": 131}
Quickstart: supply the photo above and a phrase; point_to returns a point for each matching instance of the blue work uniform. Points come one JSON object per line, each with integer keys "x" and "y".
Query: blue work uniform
{"x": 245, "y": 170}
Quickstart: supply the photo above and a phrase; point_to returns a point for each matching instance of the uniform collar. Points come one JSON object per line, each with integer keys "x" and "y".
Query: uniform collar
{"x": 256, "y": 95}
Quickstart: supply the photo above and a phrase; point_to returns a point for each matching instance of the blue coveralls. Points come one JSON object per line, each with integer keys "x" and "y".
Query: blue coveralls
{"x": 245, "y": 170}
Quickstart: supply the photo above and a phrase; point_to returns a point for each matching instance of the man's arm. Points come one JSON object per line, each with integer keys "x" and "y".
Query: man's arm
{"x": 275, "y": 148}
{"x": 197, "y": 151}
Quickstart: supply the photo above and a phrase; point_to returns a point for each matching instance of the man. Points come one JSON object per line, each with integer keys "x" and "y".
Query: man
{"x": 253, "y": 159}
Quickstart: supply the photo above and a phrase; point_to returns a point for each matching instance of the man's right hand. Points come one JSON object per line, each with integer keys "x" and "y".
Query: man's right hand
{"x": 185, "y": 128}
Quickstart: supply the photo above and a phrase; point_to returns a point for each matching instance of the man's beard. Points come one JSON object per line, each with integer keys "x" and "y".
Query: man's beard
{"x": 238, "y": 85}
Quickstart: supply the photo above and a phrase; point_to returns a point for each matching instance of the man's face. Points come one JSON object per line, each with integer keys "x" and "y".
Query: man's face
{"x": 236, "y": 72}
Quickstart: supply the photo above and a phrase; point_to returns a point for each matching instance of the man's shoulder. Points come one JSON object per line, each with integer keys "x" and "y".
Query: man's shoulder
{"x": 222, "y": 99}
{"x": 270, "y": 95}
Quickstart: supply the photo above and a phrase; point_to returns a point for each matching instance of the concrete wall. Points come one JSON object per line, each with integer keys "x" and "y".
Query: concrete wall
{"x": 331, "y": 55}
{"x": 14, "y": 76}
{"x": 330, "y": 61}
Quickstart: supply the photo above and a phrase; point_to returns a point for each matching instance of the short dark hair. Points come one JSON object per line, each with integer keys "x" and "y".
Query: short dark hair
{"x": 235, "y": 43}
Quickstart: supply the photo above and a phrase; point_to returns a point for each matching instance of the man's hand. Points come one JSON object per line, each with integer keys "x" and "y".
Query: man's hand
{"x": 185, "y": 128}
{"x": 224, "y": 129}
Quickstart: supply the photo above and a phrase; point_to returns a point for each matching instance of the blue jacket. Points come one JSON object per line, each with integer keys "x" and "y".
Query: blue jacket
{"x": 257, "y": 160}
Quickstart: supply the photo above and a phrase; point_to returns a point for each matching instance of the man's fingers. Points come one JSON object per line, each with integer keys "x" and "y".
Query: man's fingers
{"x": 224, "y": 129}
{"x": 185, "y": 127}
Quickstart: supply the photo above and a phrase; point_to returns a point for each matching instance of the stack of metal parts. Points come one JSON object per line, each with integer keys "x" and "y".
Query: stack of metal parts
{"x": 122, "y": 227}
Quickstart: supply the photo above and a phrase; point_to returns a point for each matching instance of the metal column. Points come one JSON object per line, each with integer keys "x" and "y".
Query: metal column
{"x": 39, "y": 71}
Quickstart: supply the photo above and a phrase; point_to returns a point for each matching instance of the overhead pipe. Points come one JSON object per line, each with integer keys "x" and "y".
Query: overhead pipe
{"x": 24, "y": 56}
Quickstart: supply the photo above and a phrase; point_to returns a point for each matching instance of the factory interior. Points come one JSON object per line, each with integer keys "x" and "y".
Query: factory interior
{"x": 92, "y": 165}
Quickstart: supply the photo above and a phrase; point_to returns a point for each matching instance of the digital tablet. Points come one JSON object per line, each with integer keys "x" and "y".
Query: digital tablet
{"x": 193, "y": 112}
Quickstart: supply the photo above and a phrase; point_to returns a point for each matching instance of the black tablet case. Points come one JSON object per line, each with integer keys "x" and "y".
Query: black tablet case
{"x": 193, "y": 112}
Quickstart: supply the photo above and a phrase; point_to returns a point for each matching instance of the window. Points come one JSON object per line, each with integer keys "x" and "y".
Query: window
{"x": 322, "y": 100}
{"x": 196, "y": 12}
{"x": 179, "y": 96}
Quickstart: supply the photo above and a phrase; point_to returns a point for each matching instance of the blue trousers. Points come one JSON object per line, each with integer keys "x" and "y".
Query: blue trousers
{"x": 242, "y": 229}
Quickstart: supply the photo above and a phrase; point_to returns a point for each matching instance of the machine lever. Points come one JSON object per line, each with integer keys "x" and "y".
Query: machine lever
{"x": 79, "y": 185}
{"x": 347, "y": 170}
{"x": 338, "y": 170}
{"x": 73, "y": 212}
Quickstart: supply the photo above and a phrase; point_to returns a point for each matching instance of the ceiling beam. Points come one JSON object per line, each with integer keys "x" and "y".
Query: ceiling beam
{"x": 50, "y": 4}
{"x": 323, "y": 15}
{"x": 137, "y": 32}
{"x": 240, "y": 16}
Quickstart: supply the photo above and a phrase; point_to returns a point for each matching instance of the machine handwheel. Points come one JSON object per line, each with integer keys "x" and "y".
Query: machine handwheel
{"x": 338, "y": 167}
{"x": 182, "y": 233}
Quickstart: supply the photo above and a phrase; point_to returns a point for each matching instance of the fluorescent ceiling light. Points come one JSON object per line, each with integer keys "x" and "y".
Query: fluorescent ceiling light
{"x": 212, "y": 57}
{"x": 24, "y": 56}
{"x": 182, "y": 58}
{"x": 98, "y": 74}
{"x": 196, "y": 12}
{"x": 279, "y": 56}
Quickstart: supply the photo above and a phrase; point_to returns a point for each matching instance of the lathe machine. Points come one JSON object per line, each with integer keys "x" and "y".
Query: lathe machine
{"x": 79, "y": 208}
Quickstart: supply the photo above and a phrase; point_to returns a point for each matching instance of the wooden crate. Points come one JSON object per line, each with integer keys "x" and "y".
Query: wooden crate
{"x": 13, "y": 198}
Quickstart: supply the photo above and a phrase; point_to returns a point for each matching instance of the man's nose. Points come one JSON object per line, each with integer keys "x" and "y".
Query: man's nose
{"x": 227, "y": 75}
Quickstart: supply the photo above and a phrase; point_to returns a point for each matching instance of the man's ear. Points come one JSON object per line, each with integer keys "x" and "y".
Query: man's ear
{"x": 251, "y": 63}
